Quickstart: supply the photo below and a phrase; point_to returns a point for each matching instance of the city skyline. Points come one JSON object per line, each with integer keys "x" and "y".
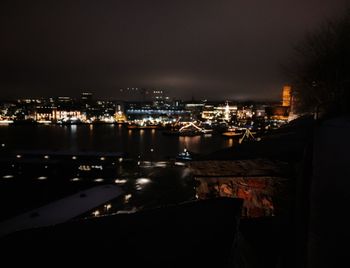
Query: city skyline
{"x": 138, "y": 96}
{"x": 228, "y": 49}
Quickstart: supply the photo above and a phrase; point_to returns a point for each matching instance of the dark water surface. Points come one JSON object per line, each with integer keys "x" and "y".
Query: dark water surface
{"x": 106, "y": 138}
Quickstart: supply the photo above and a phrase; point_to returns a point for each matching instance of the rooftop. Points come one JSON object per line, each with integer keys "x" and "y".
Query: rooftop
{"x": 238, "y": 168}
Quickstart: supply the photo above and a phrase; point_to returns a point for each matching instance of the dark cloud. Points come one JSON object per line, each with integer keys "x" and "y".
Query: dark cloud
{"x": 211, "y": 49}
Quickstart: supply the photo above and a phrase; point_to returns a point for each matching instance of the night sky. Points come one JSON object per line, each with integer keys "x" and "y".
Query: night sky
{"x": 222, "y": 49}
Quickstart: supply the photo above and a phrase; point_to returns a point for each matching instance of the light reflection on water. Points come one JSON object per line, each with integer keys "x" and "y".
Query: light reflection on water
{"x": 115, "y": 138}
{"x": 193, "y": 144}
{"x": 73, "y": 129}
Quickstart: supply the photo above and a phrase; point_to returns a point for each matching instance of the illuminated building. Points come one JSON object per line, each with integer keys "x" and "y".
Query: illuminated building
{"x": 219, "y": 111}
{"x": 55, "y": 114}
{"x": 225, "y": 112}
{"x": 119, "y": 117}
{"x": 281, "y": 112}
{"x": 289, "y": 100}
{"x": 278, "y": 112}
{"x": 227, "y": 116}
{"x": 64, "y": 115}
{"x": 157, "y": 96}
{"x": 86, "y": 97}
{"x": 287, "y": 96}
{"x": 64, "y": 100}
{"x": 86, "y": 102}
{"x": 259, "y": 112}
{"x": 208, "y": 112}
{"x": 44, "y": 114}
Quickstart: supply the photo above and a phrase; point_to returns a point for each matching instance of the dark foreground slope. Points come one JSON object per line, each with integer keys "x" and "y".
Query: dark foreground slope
{"x": 194, "y": 234}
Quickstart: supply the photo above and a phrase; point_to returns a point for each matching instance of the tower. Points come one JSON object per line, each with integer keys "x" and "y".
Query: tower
{"x": 287, "y": 96}
{"x": 86, "y": 97}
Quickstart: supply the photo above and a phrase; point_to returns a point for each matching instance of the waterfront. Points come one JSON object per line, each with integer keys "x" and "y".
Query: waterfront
{"x": 107, "y": 138}
{"x": 71, "y": 158}
{"x": 42, "y": 163}
{"x": 29, "y": 181}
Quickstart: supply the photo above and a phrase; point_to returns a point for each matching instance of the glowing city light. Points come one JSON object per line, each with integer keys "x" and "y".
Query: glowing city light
{"x": 143, "y": 181}
{"x": 7, "y": 176}
{"x": 160, "y": 164}
{"x": 120, "y": 181}
{"x": 179, "y": 164}
{"x": 127, "y": 198}
{"x": 84, "y": 168}
{"x": 96, "y": 213}
{"x": 42, "y": 178}
{"x": 108, "y": 207}
{"x": 98, "y": 180}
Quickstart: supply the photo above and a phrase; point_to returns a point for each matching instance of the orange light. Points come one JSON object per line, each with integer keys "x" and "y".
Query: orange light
{"x": 286, "y": 96}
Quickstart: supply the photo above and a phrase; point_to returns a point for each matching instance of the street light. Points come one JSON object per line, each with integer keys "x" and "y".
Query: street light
{"x": 107, "y": 207}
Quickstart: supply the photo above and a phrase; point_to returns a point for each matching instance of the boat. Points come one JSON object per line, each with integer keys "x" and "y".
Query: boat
{"x": 184, "y": 156}
{"x": 233, "y": 133}
{"x": 207, "y": 132}
{"x": 241, "y": 134}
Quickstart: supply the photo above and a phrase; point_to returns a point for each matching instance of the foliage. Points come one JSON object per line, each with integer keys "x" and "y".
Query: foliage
{"x": 320, "y": 69}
